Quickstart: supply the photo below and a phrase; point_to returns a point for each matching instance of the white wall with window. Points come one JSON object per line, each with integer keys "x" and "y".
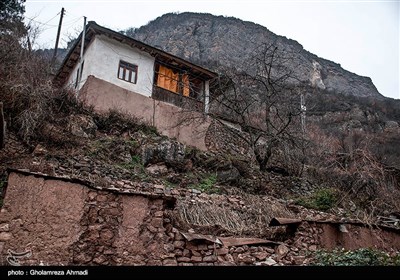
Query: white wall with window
{"x": 116, "y": 63}
{"x": 127, "y": 72}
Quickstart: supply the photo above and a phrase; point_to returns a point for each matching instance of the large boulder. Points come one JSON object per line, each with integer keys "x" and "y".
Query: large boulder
{"x": 228, "y": 174}
{"x": 82, "y": 126}
{"x": 169, "y": 151}
{"x": 391, "y": 125}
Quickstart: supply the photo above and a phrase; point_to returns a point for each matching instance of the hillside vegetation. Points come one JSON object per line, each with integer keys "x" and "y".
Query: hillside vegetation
{"x": 346, "y": 161}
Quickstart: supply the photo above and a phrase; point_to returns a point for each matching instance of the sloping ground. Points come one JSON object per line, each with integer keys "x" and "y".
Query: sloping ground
{"x": 134, "y": 159}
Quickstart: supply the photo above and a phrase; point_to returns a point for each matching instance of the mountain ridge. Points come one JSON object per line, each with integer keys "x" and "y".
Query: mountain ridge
{"x": 212, "y": 41}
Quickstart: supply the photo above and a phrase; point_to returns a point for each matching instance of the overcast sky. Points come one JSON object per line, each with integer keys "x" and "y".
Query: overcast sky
{"x": 362, "y": 36}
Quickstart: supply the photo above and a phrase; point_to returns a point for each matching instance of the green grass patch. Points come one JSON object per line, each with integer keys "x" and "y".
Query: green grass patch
{"x": 322, "y": 199}
{"x": 96, "y": 147}
{"x": 135, "y": 162}
{"x": 359, "y": 257}
{"x": 207, "y": 184}
{"x": 168, "y": 184}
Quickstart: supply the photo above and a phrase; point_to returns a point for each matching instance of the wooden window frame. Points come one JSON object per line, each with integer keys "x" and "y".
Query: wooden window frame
{"x": 128, "y": 69}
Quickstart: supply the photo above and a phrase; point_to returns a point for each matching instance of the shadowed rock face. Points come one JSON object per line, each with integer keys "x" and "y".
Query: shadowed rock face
{"x": 214, "y": 41}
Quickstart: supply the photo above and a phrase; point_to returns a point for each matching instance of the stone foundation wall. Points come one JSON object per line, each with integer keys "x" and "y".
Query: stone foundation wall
{"x": 63, "y": 223}
{"x": 182, "y": 252}
{"x": 187, "y": 127}
{"x": 58, "y": 221}
{"x": 219, "y": 137}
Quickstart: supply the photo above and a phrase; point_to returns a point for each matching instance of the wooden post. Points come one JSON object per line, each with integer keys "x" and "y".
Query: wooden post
{"x": 206, "y": 97}
{"x": 80, "y": 67}
{"x": 2, "y": 127}
{"x": 58, "y": 37}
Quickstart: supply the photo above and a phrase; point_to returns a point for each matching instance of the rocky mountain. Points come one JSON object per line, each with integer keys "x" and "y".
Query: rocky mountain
{"x": 337, "y": 100}
{"x": 104, "y": 188}
{"x": 214, "y": 41}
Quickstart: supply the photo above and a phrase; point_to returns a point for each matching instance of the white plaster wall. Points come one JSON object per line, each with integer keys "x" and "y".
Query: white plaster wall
{"x": 101, "y": 60}
{"x": 88, "y": 58}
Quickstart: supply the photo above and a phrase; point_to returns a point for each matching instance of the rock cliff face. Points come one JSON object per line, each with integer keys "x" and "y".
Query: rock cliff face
{"x": 214, "y": 41}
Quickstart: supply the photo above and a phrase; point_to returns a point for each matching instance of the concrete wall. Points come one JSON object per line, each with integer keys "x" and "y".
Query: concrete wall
{"x": 187, "y": 127}
{"x": 101, "y": 60}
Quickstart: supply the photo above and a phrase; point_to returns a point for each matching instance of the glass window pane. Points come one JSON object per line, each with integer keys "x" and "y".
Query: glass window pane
{"x": 133, "y": 80}
{"x": 121, "y": 73}
{"x": 129, "y": 75}
{"x": 127, "y": 72}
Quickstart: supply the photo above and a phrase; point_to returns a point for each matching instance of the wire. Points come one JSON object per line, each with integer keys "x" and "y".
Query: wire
{"x": 48, "y": 28}
{"x": 46, "y": 23}
{"x": 31, "y": 19}
{"x": 72, "y": 22}
{"x": 72, "y": 14}
{"x": 41, "y": 23}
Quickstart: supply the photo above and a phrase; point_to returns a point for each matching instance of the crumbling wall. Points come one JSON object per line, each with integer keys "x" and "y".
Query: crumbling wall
{"x": 61, "y": 222}
{"x": 2, "y": 127}
{"x": 310, "y": 236}
{"x": 182, "y": 252}
{"x": 57, "y": 221}
{"x": 141, "y": 233}
{"x": 354, "y": 237}
{"x": 221, "y": 137}
{"x": 41, "y": 216}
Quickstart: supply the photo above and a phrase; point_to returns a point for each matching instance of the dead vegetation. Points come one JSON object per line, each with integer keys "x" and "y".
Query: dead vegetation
{"x": 240, "y": 215}
{"x": 345, "y": 161}
{"x": 38, "y": 112}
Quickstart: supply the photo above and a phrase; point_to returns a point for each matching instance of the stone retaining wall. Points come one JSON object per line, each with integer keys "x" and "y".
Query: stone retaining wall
{"x": 61, "y": 222}
{"x": 58, "y": 221}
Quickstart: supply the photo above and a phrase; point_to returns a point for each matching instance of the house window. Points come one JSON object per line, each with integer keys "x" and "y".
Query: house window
{"x": 127, "y": 72}
{"x": 168, "y": 79}
{"x": 173, "y": 81}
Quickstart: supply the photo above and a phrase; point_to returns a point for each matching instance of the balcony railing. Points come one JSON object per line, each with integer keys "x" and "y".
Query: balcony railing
{"x": 176, "y": 99}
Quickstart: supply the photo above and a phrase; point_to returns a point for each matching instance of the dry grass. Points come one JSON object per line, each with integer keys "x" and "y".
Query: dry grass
{"x": 251, "y": 218}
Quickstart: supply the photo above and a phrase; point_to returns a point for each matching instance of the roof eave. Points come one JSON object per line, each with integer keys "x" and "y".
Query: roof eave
{"x": 92, "y": 28}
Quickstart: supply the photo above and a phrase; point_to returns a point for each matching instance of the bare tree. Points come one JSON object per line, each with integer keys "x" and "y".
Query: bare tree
{"x": 264, "y": 101}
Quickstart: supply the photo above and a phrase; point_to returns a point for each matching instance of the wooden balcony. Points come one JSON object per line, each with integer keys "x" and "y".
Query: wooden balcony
{"x": 177, "y": 99}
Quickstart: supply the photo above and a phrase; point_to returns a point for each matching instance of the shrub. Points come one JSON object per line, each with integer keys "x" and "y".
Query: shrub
{"x": 26, "y": 90}
{"x": 322, "y": 199}
{"x": 117, "y": 122}
{"x": 207, "y": 184}
{"x": 359, "y": 257}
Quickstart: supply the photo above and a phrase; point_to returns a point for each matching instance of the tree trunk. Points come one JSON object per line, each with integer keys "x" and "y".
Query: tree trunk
{"x": 262, "y": 157}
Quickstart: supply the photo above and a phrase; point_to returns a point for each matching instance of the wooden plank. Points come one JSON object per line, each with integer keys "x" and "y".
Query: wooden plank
{"x": 240, "y": 241}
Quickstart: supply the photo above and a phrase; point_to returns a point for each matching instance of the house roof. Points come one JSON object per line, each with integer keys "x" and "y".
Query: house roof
{"x": 93, "y": 29}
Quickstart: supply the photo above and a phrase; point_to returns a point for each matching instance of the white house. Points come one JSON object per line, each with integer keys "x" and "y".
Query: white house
{"x": 117, "y": 72}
